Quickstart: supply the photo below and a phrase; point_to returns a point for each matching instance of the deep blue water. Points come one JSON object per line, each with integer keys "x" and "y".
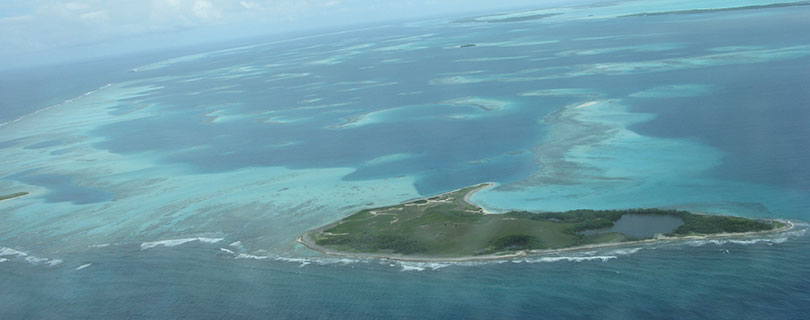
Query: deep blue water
{"x": 178, "y": 190}
{"x": 706, "y": 282}
{"x": 761, "y": 121}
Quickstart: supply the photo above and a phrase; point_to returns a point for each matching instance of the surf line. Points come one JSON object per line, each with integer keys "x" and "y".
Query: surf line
{"x": 71, "y": 100}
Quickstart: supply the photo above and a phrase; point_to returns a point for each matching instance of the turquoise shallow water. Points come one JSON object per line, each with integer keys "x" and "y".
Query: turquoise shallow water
{"x": 177, "y": 188}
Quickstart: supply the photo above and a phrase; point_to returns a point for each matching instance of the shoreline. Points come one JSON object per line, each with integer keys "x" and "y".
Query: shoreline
{"x": 483, "y": 186}
{"x": 306, "y": 240}
{"x": 480, "y": 186}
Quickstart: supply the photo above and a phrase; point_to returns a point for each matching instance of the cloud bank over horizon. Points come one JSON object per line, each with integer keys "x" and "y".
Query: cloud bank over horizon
{"x": 45, "y": 27}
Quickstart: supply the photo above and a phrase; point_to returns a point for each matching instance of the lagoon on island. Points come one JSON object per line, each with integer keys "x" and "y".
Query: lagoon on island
{"x": 640, "y": 226}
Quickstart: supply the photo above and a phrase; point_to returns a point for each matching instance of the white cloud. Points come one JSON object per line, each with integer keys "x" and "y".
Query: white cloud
{"x": 205, "y": 10}
{"x": 95, "y": 17}
{"x": 76, "y": 6}
{"x": 250, "y": 5}
{"x": 40, "y": 25}
{"x": 50, "y": 24}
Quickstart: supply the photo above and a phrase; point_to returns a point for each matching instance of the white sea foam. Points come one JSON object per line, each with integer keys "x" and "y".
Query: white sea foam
{"x": 320, "y": 261}
{"x": 227, "y": 251}
{"x": 11, "y": 252}
{"x": 210, "y": 240}
{"x": 166, "y": 243}
{"x": 296, "y": 260}
{"x": 250, "y": 256}
{"x": 177, "y": 242}
{"x": 236, "y": 244}
{"x": 625, "y": 251}
{"x": 800, "y": 230}
{"x": 37, "y": 261}
{"x": 421, "y": 266}
{"x": 568, "y": 259}
{"x": 54, "y": 262}
{"x": 412, "y": 268}
{"x": 720, "y": 242}
{"x": 84, "y": 266}
{"x": 99, "y": 245}
{"x": 3, "y": 259}
{"x": 8, "y": 252}
{"x": 302, "y": 261}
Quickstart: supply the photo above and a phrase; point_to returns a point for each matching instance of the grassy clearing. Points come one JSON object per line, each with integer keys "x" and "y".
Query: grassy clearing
{"x": 447, "y": 226}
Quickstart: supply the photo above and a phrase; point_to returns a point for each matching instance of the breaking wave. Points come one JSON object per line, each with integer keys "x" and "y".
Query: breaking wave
{"x": 68, "y": 101}
{"x": 177, "y": 242}
{"x": 567, "y": 259}
{"x": 8, "y": 254}
{"x": 799, "y": 229}
{"x": 420, "y": 266}
{"x": 300, "y": 260}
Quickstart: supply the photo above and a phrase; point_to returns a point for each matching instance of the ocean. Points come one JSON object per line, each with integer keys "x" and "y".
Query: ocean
{"x": 167, "y": 188}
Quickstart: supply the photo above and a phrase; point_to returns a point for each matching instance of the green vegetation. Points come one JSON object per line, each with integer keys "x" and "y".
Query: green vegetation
{"x": 693, "y": 223}
{"x": 13, "y": 195}
{"x": 448, "y": 226}
{"x": 706, "y": 224}
{"x": 513, "y": 242}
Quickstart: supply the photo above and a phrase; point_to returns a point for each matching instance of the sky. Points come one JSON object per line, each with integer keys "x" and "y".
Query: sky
{"x": 51, "y": 31}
